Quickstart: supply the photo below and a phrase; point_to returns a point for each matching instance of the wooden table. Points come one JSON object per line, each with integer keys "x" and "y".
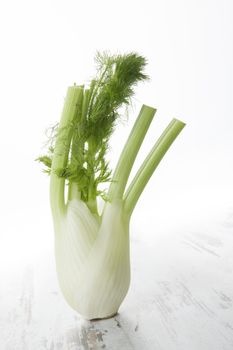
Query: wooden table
{"x": 181, "y": 295}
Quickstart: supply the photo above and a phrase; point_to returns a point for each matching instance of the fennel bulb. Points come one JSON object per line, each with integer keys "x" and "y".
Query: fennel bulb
{"x": 93, "y": 259}
{"x": 92, "y": 249}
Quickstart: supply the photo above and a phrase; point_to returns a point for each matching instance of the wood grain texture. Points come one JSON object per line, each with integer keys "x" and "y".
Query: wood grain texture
{"x": 181, "y": 297}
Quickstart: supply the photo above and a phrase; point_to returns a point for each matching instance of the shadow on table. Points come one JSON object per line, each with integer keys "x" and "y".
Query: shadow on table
{"x": 99, "y": 334}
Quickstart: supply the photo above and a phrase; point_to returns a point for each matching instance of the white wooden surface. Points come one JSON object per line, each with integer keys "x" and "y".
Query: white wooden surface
{"x": 181, "y": 296}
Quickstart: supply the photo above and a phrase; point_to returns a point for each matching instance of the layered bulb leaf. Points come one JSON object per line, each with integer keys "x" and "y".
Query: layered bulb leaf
{"x": 92, "y": 249}
{"x": 92, "y": 259}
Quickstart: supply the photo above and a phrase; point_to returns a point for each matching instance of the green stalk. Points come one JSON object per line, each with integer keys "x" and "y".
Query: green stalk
{"x": 87, "y": 107}
{"x": 78, "y": 143}
{"x": 86, "y": 99}
{"x": 73, "y": 191}
{"x": 150, "y": 164}
{"x": 62, "y": 147}
{"x": 129, "y": 153}
{"x": 92, "y": 202}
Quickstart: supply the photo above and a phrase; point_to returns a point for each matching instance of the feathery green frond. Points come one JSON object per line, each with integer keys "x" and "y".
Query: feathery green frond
{"x": 94, "y": 122}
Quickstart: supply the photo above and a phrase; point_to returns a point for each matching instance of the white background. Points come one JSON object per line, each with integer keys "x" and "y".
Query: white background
{"x": 48, "y": 45}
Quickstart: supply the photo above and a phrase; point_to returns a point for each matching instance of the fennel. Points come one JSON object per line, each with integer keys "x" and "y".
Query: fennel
{"x": 92, "y": 248}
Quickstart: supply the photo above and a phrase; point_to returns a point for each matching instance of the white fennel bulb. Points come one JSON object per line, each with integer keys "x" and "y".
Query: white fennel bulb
{"x": 92, "y": 259}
